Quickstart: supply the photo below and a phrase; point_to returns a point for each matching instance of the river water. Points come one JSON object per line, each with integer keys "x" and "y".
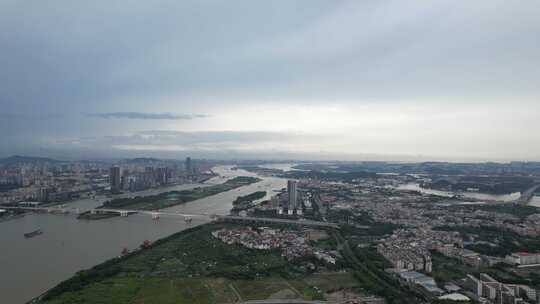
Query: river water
{"x": 535, "y": 201}
{"x": 29, "y": 267}
{"x": 472, "y": 195}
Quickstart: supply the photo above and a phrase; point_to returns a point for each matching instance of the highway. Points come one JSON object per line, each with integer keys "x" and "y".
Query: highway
{"x": 279, "y": 221}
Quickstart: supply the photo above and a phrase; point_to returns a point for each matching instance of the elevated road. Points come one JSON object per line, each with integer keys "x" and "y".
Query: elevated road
{"x": 278, "y": 221}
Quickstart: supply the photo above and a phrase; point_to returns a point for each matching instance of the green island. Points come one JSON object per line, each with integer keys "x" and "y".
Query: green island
{"x": 245, "y": 202}
{"x": 169, "y": 199}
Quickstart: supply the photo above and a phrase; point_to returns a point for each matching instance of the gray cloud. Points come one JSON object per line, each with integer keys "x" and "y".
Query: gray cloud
{"x": 30, "y": 116}
{"x": 164, "y": 57}
{"x": 154, "y": 139}
{"x": 149, "y": 116}
{"x": 85, "y": 56}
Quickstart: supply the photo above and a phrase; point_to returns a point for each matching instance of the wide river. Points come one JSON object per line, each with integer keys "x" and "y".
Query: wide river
{"x": 471, "y": 195}
{"x": 29, "y": 267}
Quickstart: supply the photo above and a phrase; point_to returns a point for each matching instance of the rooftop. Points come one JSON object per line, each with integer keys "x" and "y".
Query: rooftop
{"x": 454, "y": 297}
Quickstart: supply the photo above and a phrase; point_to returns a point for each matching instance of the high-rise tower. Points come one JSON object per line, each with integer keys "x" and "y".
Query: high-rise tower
{"x": 293, "y": 196}
{"x": 115, "y": 179}
{"x": 189, "y": 165}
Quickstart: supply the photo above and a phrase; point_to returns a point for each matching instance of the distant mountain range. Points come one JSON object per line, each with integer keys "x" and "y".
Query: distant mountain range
{"x": 17, "y": 159}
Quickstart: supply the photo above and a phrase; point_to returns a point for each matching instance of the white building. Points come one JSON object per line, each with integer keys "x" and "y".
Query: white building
{"x": 524, "y": 258}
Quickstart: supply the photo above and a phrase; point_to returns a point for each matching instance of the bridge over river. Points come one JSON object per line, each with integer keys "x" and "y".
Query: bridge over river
{"x": 526, "y": 196}
{"x": 157, "y": 214}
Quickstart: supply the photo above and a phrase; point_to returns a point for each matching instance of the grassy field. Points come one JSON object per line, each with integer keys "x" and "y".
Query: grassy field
{"x": 136, "y": 290}
{"x": 152, "y": 290}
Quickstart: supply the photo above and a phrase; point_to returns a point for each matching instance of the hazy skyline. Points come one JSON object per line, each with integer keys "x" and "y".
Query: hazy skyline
{"x": 282, "y": 79}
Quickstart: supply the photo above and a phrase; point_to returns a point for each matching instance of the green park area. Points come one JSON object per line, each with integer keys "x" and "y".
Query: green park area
{"x": 246, "y": 202}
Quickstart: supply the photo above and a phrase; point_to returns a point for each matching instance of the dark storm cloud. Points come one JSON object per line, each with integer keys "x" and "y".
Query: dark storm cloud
{"x": 86, "y": 56}
{"x": 150, "y": 116}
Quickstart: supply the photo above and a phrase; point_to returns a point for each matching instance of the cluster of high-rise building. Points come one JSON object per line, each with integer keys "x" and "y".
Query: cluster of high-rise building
{"x": 49, "y": 181}
{"x": 136, "y": 177}
{"x": 139, "y": 179}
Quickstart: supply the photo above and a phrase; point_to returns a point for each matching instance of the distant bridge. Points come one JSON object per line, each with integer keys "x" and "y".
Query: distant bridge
{"x": 122, "y": 212}
{"x": 186, "y": 216}
{"x": 527, "y": 195}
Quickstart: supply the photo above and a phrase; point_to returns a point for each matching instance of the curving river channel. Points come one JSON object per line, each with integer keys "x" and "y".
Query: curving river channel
{"x": 29, "y": 267}
{"x": 470, "y": 195}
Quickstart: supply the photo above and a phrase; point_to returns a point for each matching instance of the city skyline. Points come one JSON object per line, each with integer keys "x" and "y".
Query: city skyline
{"x": 309, "y": 151}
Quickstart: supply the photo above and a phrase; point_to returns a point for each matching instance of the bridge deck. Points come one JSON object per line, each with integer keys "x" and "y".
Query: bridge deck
{"x": 163, "y": 213}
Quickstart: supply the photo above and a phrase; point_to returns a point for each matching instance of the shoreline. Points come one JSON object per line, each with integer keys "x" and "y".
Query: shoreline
{"x": 117, "y": 259}
{"x": 163, "y": 200}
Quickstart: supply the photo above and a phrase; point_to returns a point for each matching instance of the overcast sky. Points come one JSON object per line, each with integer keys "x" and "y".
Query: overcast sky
{"x": 440, "y": 79}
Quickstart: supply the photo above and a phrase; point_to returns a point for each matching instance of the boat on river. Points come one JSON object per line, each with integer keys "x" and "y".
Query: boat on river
{"x": 33, "y": 233}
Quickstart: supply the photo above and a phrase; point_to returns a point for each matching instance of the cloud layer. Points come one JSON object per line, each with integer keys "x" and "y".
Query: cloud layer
{"x": 360, "y": 76}
{"x": 151, "y": 116}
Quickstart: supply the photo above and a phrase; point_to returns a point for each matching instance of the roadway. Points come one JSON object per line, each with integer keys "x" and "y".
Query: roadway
{"x": 279, "y": 221}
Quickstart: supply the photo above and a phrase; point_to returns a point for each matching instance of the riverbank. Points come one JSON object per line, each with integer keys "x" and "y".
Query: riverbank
{"x": 473, "y": 196}
{"x": 168, "y": 199}
{"x": 246, "y": 202}
{"x": 6, "y": 218}
{"x": 192, "y": 266}
{"x": 69, "y": 245}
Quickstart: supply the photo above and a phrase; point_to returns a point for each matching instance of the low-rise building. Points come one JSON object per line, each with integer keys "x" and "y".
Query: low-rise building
{"x": 487, "y": 287}
{"x": 428, "y": 283}
{"x": 523, "y": 258}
